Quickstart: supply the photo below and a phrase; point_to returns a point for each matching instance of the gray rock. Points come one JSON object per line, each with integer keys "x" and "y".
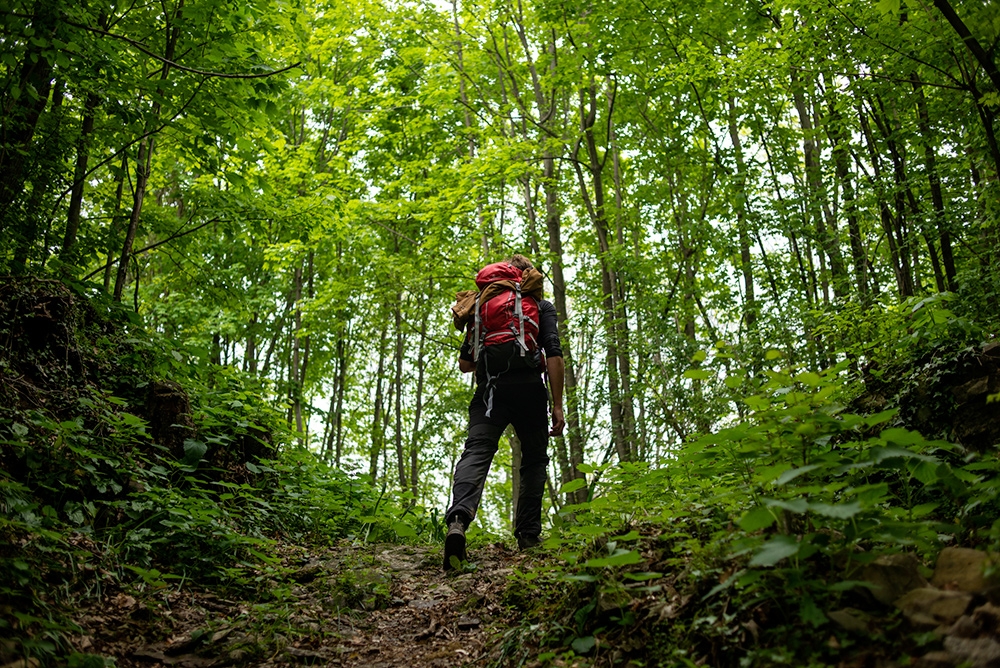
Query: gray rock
{"x": 987, "y": 619}
{"x": 892, "y": 576}
{"x": 422, "y": 604}
{"x": 976, "y": 652}
{"x": 935, "y": 660}
{"x": 466, "y": 623}
{"x": 961, "y": 568}
{"x": 930, "y": 608}
{"x": 964, "y": 627}
{"x": 850, "y": 619}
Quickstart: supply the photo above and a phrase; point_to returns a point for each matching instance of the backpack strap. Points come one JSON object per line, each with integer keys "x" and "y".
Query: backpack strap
{"x": 519, "y": 312}
{"x": 477, "y": 342}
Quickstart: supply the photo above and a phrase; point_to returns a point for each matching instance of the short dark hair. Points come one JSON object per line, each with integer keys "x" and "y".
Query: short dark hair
{"x": 519, "y": 261}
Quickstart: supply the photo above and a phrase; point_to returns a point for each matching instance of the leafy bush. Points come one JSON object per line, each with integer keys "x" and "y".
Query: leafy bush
{"x": 752, "y": 530}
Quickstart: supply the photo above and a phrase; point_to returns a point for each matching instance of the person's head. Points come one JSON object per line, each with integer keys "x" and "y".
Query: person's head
{"x": 519, "y": 261}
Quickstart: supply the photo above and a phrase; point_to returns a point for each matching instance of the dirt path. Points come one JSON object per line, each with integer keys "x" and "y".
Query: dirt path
{"x": 365, "y": 606}
{"x": 434, "y": 619}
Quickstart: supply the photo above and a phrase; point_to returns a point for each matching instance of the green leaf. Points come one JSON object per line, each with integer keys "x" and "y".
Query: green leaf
{"x": 697, "y": 374}
{"x": 193, "y": 451}
{"x": 901, "y": 436}
{"x": 769, "y": 473}
{"x": 809, "y": 378}
{"x": 888, "y": 6}
{"x": 623, "y": 559}
{"x": 773, "y": 354}
{"x": 788, "y": 476}
{"x": 879, "y": 418}
{"x": 572, "y": 485}
{"x": 810, "y": 613}
{"x": 924, "y": 471}
{"x": 404, "y": 530}
{"x": 794, "y": 506}
{"x": 733, "y": 382}
{"x": 923, "y": 509}
{"x": 19, "y": 430}
{"x": 631, "y": 535}
{"x": 584, "y": 645}
{"x": 757, "y": 518}
{"x": 840, "y": 511}
{"x": 774, "y": 550}
{"x": 590, "y": 530}
{"x": 642, "y": 577}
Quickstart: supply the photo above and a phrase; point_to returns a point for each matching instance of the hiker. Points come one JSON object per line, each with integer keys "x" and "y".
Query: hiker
{"x": 511, "y": 339}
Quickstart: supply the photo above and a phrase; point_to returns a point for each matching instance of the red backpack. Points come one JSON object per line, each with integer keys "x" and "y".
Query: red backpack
{"x": 509, "y": 310}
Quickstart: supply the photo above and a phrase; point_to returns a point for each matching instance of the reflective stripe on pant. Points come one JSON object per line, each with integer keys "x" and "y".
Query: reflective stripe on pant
{"x": 525, "y": 406}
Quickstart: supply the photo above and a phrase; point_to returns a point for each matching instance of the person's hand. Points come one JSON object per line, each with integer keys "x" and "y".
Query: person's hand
{"x": 558, "y": 421}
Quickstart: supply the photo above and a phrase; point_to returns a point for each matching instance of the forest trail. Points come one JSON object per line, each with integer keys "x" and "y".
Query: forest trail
{"x": 366, "y": 606}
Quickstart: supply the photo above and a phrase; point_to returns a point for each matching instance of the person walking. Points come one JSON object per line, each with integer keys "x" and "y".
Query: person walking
{"x": 511, "y": 339}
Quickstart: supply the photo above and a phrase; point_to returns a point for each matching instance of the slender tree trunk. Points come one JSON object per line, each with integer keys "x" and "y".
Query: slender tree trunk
{"x": 403, "y": 478}
{"x": 340, "y": 390}
{"x": 469, "y": 126}
{"x": 901, "y": 228}
{"x": 294, "y": 388}
{"x": 982, "y": 56}
{"x": 378, "y": 427}
{"x": 841, "y": 160}
{"x": 746, "y": 267}
{"x": 419, "y": 402}
{"x": 934, "y": 181}
{"x": 79, "y": 176}
{"x": 570, "y": 460}
{"x": 622, "y": 333}
{"x": 598, "y": 215}
{"x": 116, "y": 224}
{"x": 145, "y": 156}
{"x": 815, "y": 192}
{"x": 897, "y": 256}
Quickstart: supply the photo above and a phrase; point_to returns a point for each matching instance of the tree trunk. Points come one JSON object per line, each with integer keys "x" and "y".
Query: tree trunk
{"x": 899, "y": 260}
{"x": 815, "y": 193}
{"x": 419, "y": 402}
{"x": 145, "y": 156}
{"x": 934, "y": 181}
{"x": 598, "y": 216}
{"x": 116, "y": 223}
{"x": 546, "y": 117}
{"x": 467, "y": 122}
{"x": 403, "y": 479}
{"x": 338, "y": 399}
{"x": 841, "y": 160}
{"x": 18, "y": 124}
{"x": 975, "y": 48}
{"x": 378, "y": 428}
{"x": 746, "y": 268}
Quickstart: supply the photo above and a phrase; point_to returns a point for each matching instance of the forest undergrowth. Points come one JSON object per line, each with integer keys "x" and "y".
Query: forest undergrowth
{"x": 159, "y": 511}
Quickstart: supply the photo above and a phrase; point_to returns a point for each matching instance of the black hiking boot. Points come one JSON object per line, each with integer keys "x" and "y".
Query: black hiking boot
{"x": 454, "y": 543}
{"x": 528, "y": 542}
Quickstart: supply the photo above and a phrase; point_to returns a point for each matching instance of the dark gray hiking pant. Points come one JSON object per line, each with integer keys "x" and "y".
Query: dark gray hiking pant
{"x": 525, "y": 406}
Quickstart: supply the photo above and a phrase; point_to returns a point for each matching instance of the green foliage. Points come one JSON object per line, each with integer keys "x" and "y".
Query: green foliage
{"x": 771, "y": 518}
{"x": 93, "y": 496}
